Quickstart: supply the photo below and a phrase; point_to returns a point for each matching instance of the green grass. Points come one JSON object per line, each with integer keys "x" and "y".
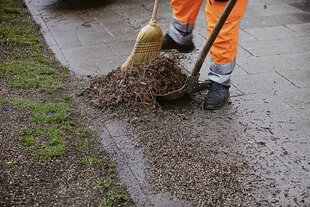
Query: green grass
{"x": 2, "y": 100}
{"x": 37, "y": 56}
{"x": 82, "y": 131}
{"x": 83, "y": 112}
{"x": 31, "y": 75}
{"x": 9, "y": 11}
{"x": 12, "y": 10}
{"x": 113, "y": 197}
{"x": 90, "y": 160}
{"x": 20, "y": 103}
{"x": 82, "y": 146}
{"x": 50, "y": 112}
{"x": 42, "y": 113}
{"x": 67, "y": 97}
{"x": 3, "y": 18}
{"x": 18, "y": 36}
{"x": 112, "y": 168}
{"x": 105, "y": 183}
{"x": 43, "y": 142}
{"x": 11, "y": 163}
{"x": 11, "y": 4}
{"x": 33, "y": 54}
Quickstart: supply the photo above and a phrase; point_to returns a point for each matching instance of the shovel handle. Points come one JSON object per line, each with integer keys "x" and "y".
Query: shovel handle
{"x": 230, "y": 5}
{"x": 155, "y": 9}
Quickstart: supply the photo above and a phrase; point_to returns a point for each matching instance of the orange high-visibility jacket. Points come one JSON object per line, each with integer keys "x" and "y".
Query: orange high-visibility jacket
{"x": 225, "y": 47}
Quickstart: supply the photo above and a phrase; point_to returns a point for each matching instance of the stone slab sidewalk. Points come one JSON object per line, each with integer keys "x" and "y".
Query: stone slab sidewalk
{"x": 271, "y": 85}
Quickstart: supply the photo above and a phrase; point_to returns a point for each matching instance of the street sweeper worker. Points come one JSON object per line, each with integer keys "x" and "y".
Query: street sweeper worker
{"x": 224, "y": 50}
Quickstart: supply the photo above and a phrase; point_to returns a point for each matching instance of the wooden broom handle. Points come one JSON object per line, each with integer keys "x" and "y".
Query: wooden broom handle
{"x": 230, "y": 5}
{"x": 155, "y": 9}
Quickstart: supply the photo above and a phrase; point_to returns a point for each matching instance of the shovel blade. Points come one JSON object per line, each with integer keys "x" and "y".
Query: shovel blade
{"x": 172, "y": 95}
{"x": 192, "y": 85}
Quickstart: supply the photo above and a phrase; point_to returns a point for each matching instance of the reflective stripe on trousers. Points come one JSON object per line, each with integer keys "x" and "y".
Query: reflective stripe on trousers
{"x": 221, "y": 73}
{"x": 224, "y": 50}
{"x": 181, "y": 33}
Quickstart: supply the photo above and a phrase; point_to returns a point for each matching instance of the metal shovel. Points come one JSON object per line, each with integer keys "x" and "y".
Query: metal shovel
{"x": 192, "y": 83}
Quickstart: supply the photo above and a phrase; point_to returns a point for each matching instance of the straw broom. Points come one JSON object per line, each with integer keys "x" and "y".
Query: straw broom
{"x": 148, "y": 42}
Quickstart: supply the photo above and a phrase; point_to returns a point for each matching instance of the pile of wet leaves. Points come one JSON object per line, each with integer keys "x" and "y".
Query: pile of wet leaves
{"x": 138, "y": 84}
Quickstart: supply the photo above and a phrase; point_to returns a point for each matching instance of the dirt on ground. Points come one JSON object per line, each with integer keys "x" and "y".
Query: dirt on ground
{"x": 178, "y": 159}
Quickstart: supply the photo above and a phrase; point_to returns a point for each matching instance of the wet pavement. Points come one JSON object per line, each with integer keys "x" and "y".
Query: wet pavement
{"x": 266, "y": 126}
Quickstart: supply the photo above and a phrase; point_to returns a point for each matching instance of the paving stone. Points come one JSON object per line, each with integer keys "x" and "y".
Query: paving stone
{"x": 59, "y": 55}
{"x": 262, "y": 83}
{"x": 107, "y": 64}
{"x": 107, "y": 140}
{"x": 284, "y": 1}
{"x": 165, "y": 199}
{"x": 272, "y": 10}
{"x": 297, "y": 128}
{"x": 243, "y": 52}
{"x": 298, "y": 98}
{"x": 122, "y": 47}
{"x": 43, "y": 2}
{"x": 267, "y": 2}
{"x": 110, "y": 28}
{"x": 97, "y": 38}
{"x": 106, "y": 23}
{"x": 273, "y": 106}
{"x": 135, "y": 190}
{"x": 302, "y": 5}
{"x": 245, "y": 36}
{"x": 86, "y": 54}
{"x": 265, "y": 64}
{"x": 270, "y": 113}
{"x": 85, "y": 68}
{"x": 49, "y": 14}
{"x": 276, "y": 47}
{"x": 275, "y": 20}
{"x": 300, "y": 77}
{"x": 271, "y": 33}
{"x": 239, "y": 71}
{"x": 137, "y": 16}
{"x": 298, "y": 60}
{"x": 116, "y": 129}
{"x": 128, "y": 148}
{"x": 132, "y": 34}
{"x": 138, "y": 168}
{"x": 65, "y": 24}
{"x": 306, "y": 112}
{"x": 68, "y": 41}
{"x": 302, "y": 30}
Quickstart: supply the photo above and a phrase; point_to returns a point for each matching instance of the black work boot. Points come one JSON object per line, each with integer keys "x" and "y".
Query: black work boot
{"x": 169, "y": 44}
{"x": 217, "y": 96}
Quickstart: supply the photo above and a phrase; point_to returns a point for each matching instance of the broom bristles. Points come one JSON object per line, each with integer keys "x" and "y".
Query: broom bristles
{"x": 148, "y": 45}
